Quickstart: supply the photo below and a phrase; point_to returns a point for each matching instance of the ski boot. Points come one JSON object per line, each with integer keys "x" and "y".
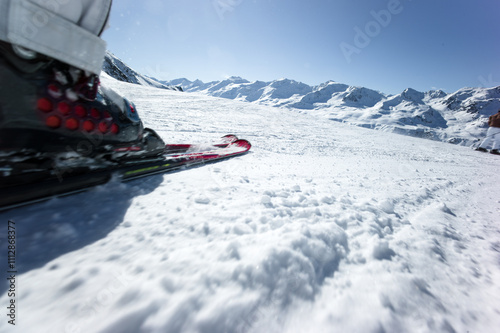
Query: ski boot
{"x": 49, "y": 109}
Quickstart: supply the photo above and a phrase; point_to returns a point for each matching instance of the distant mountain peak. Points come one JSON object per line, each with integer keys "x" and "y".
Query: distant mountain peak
{"x": 413, "y": 95}
{"x": 236, "y": 78}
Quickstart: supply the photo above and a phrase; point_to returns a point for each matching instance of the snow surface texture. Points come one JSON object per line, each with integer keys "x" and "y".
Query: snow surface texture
{"x": 459, "y": 118}
{"x": 322, "y": 227}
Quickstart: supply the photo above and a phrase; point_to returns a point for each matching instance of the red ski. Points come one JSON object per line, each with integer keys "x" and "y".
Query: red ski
{"x": 37, "y": 185}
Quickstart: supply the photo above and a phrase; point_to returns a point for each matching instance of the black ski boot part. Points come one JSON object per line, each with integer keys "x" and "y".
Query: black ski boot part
{"x": 49, "y": 107}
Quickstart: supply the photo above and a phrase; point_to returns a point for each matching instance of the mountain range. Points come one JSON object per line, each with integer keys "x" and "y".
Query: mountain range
{"x": 459, "y": 117}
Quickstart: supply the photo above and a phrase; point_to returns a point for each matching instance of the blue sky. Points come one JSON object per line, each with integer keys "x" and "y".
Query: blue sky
{"x": 386, "y": 45}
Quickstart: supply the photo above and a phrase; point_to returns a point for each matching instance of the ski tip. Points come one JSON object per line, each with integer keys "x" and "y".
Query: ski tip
{"x": 242, "y": 143}
{"x": 229, "y": 138}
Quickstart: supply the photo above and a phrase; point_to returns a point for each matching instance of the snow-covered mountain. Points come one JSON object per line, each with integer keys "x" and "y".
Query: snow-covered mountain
{"x": 460, "y": 117}
{"x": 117, "y": 69}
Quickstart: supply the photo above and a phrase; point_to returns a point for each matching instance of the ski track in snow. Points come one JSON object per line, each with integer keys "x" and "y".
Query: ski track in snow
{"x": 322, "y": 227}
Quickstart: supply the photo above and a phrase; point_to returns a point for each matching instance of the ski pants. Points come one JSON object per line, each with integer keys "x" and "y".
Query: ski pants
{"x": 493, "y": 134}
{"x": 67, "y": 30}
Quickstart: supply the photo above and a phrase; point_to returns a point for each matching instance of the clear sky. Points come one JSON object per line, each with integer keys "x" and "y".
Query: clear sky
{"x": 386, "y": 45}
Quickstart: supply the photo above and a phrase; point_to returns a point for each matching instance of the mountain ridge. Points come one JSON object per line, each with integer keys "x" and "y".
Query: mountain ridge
{"x": 116, "y": 68}
{"x": 459, "y": 117}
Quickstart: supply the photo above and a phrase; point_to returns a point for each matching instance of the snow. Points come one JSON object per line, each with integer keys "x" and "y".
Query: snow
{"x": 322, "y": 227}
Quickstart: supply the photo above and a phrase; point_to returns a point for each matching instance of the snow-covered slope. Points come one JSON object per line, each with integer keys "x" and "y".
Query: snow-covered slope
{"x": 117, "y": 69}
{"x": 322, "y": 227}
{"x": 459, "y": 118}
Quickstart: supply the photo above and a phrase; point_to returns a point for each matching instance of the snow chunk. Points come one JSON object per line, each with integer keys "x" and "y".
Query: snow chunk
{"x": 328, "y": 200}
{"x": 202, "y": 200}
{"x": 387, "y": 206}
{"x": 382, "y": 251}
{"x": 266, "y": 201}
